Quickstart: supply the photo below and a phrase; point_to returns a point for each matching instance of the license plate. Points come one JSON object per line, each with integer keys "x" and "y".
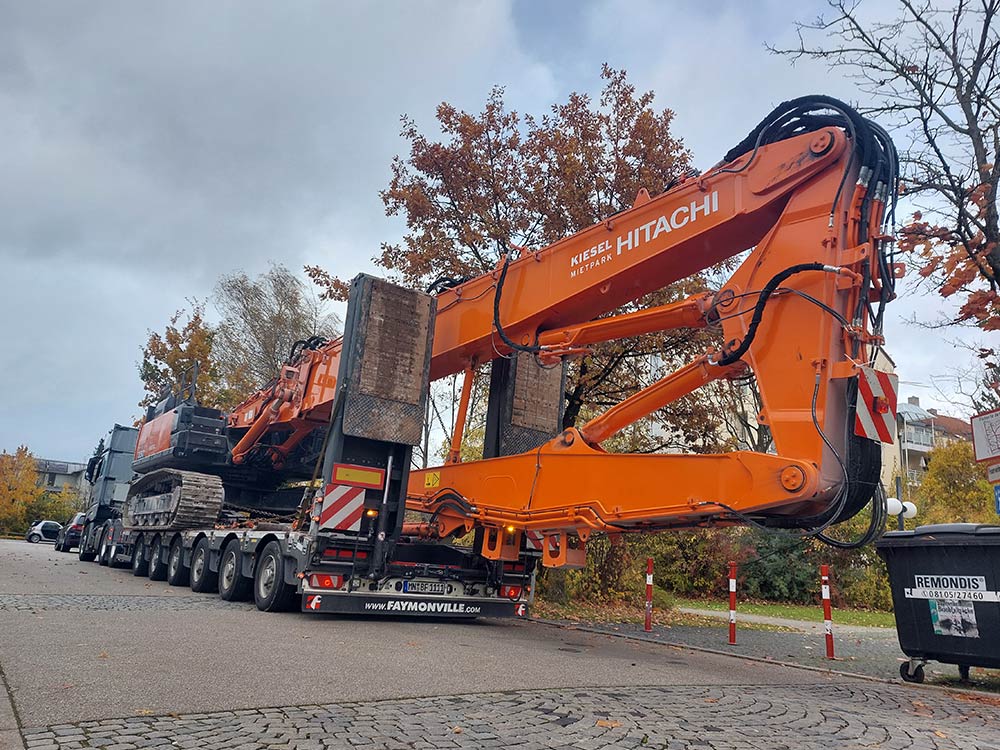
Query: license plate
{"x": 423, "y": 587}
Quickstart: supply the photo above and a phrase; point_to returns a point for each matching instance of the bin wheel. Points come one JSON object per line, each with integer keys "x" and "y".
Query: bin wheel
{"x": 918, "y": 672}
{"x": 963, "y": 672}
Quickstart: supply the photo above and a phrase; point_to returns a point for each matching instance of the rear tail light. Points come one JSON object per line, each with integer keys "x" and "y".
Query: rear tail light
{"x": 334, "y": 552}
{"x": 323, "y": 581}
{"x": 510, "y": 592}
{"x": 76, "y": 527}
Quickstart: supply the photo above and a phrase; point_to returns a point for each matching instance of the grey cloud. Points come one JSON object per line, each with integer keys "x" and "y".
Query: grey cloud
{"x": 149, "y": 147}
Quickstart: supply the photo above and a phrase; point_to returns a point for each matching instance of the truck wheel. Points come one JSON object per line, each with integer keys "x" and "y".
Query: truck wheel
{"x": 203, "y": 580}
{"x": 917, "y": 676}
{"x": 140, "y": 566}
{"x": 103, "y": 554}
{"x": 177, "y": 574}
{"x": 157, "y": 568}
{"x": 270, "y": 592}
{"x": 34, "y": 539}
{"x": 83, "y": 554}
{"x": 233, "y": 585}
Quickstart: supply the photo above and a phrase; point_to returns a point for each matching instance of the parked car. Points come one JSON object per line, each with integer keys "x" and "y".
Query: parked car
{"x": 43, "y": 531}
{"x": 69, "y": 535}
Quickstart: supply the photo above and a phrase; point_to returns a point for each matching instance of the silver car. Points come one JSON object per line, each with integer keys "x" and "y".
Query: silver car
{"x": 43, "y": 531}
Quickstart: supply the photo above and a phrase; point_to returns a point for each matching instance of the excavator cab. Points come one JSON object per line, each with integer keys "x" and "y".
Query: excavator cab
{"x": 178, "y": 431}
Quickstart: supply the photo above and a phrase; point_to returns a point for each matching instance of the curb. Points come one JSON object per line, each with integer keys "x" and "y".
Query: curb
{"x": 10, "y": 723}
{"x": 762, "y": 660}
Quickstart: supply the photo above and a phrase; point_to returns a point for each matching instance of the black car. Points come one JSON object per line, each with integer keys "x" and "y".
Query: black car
{"x": 69, "y": 535}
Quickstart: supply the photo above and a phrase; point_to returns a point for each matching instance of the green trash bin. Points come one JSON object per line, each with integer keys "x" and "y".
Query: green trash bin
{"x": 945, "y": 583}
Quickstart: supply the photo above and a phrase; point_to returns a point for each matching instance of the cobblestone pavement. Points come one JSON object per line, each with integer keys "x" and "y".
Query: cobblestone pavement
{"x": 800, "y": 718}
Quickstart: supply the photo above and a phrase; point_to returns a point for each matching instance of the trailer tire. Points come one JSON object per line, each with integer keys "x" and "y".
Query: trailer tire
{"x": 140, "y": 567}
{"x": 103, "y": 554}
{"x": 177, "y": 574}
{"x": 233, "y": 585}
{"x": 82, "y": 553}
{"x": 270, "y": 591}
{"x": 113, "y": 561}
{"x": 86, "y": 556}
{"x": 203, "y": 580}
{"x": 157, "y": 568}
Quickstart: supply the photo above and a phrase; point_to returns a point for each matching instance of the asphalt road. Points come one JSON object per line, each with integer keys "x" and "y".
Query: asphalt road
{"x": 81, "y": 644}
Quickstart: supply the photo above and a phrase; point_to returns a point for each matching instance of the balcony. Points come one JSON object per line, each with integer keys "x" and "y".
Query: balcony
{"x": 918, "y": 439}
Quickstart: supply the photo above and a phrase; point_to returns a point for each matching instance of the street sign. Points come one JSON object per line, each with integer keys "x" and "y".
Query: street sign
{"x": 986, "y": 435}
{"x": 993, "y": 473}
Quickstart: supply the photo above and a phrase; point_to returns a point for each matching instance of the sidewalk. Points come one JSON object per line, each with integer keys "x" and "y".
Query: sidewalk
{"x": 807, "y": 626}
{"x": 862, "y": 650}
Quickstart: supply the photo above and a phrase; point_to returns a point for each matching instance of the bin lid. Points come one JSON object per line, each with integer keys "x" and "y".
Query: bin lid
{"x": 943, "y": 533}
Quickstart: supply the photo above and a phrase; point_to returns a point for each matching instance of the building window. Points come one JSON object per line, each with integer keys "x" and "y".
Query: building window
{"x": 919, "y": 435}
{"x": 52, "y": 480}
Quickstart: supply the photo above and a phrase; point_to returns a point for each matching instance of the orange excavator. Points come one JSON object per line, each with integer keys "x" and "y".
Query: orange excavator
{"x": 804, "y": 200}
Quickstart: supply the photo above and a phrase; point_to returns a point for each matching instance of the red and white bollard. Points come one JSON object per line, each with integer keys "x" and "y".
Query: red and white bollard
{"x": 649, "y": 594}
{"x": 732, "y": 604}
{"x": 824, "y": 571}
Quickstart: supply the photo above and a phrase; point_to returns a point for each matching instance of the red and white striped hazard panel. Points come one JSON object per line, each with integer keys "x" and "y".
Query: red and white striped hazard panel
{"x": 343, "y": 507}
{"x": 535, "y": 540}
{"x": 876, "y": 412}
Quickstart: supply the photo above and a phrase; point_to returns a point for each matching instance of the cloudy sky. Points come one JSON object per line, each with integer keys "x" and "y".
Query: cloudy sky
{"x": 149, "y": 147}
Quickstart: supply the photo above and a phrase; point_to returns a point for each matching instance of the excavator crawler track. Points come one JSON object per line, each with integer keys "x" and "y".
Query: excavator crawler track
{"x": 172, "y": 500}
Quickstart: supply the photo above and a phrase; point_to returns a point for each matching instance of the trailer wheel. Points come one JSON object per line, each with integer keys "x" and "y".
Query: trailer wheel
{"x": 177, "y": 574}
{"x": 140, "y": 567}
{"x": 113, "y": 561}
{"x": 83, "y": 554}
{"x": 203, "y": 580}
{"x": 270, "y": 592}
{"x": 103, "y": 556}
{"x": 233, "y": 585}
{"x": 157, "y": 568}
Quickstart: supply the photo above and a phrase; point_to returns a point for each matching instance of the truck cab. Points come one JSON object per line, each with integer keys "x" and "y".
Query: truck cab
{"x": 108, "y": 473}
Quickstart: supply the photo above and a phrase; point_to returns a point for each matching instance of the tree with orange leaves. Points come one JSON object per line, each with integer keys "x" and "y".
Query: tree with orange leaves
{"x": 498, "y": 180}
{"x": 168, "y": 357}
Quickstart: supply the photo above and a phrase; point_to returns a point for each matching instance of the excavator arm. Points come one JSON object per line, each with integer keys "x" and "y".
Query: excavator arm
{"x": 806, "y": 196}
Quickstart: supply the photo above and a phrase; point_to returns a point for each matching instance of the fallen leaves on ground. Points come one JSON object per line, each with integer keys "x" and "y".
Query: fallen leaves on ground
{"x": 987, "y": 699}
{"x": 607, "y": 723}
